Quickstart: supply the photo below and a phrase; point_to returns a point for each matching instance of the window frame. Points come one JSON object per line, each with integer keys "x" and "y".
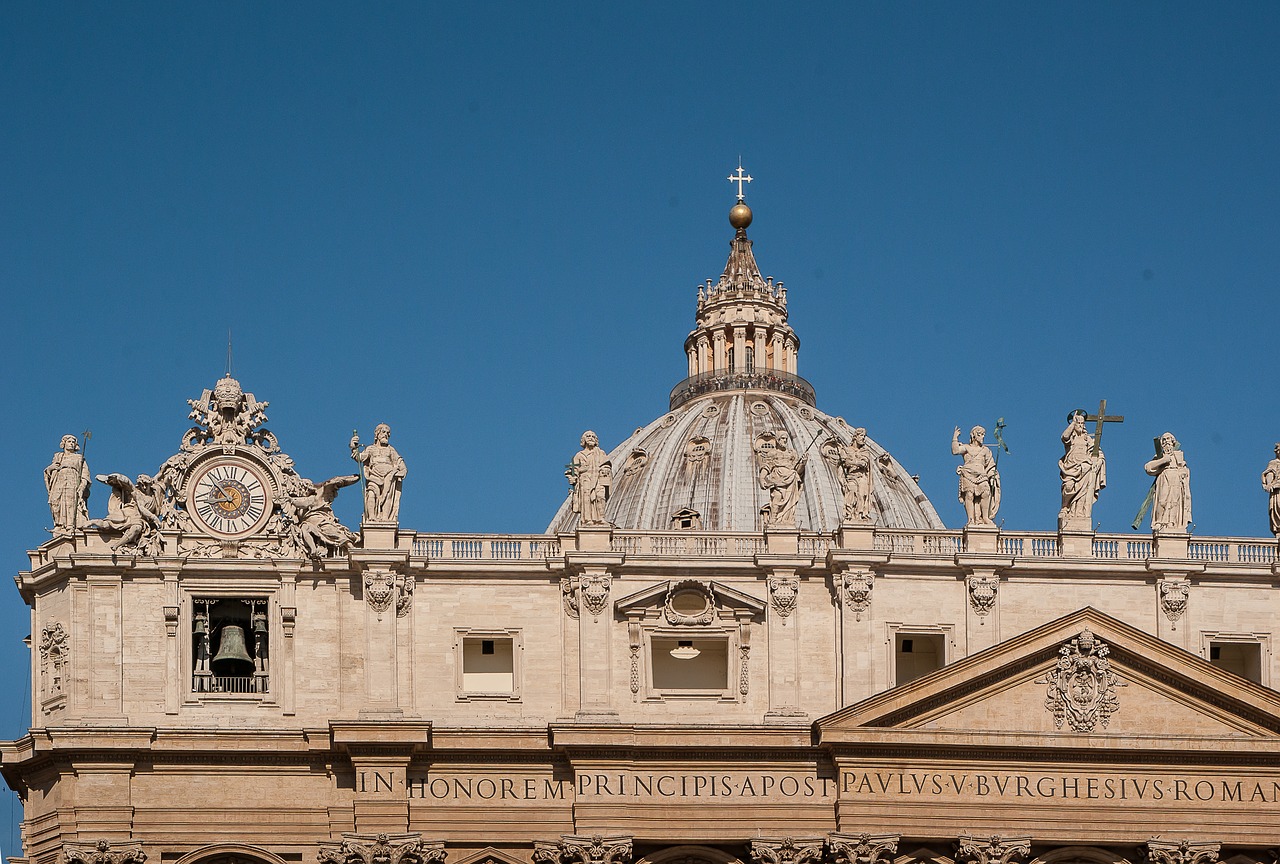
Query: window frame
{"x": 460, "y": 637}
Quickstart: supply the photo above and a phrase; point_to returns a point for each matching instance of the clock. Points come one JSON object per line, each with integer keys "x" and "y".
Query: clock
{"x": 229, "y": 497}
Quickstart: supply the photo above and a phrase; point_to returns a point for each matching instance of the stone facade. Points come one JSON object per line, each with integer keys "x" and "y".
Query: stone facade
{"x": 226, "y": 673}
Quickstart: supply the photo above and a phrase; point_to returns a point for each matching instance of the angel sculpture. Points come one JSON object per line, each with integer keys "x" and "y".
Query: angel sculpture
{"x": 311, "y": 512}
{"x": 133, "y": 510}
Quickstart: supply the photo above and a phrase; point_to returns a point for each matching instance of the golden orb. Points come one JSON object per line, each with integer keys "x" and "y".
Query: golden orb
{"x": 740, "y": 215}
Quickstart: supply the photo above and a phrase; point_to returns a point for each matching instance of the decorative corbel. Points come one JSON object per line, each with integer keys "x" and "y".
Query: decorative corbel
{"x": 853, "y": 590}
{"x": 1173, "y": 599}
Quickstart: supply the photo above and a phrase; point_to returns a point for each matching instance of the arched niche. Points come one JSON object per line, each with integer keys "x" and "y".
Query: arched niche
{"x": 689, "y": 855}
{"x": 1080, "y": 855}
{"x": 230, "y": 853}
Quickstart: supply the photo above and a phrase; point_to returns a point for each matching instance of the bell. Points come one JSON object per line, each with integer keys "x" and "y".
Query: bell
{"x": 233, "y": 658}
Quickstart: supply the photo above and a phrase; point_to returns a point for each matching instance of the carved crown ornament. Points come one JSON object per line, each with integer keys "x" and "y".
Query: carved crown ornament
{"x": 104, "y": 852}
{"x": 229, "y": 491}
{"x": 382, "y": 849}
{"x": 572, "y": 849}
{"x": 1081, "y": 685}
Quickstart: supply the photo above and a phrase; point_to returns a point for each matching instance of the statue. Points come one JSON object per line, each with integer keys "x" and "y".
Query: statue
{"x": 590, "y": 476}
{"x": 1083, "y": 472}
{"x": 133, "y": 510}
{"x": 979, "y": 480}
{"x": 311, "y": 515}
{"x": 854, "y": 464}
{"x": 384, "y": 470}
{"x": 68, "y": 481}
{"x": 1271, "y": 483}
{"x": 1171, "y": 493}
{"x": 781, "y": 474}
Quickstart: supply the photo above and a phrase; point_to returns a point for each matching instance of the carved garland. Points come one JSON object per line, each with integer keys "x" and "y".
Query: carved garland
{"x": 53, "y": 658}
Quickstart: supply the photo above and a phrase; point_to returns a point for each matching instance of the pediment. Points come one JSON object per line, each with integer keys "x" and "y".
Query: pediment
{"x": 673, "y": 599}
{"x": 489, "y": 855}
{"x": 1117, "y": 681}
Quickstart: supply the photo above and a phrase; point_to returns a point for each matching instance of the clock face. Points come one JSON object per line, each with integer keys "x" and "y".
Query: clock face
{"x": 229, "y": 497}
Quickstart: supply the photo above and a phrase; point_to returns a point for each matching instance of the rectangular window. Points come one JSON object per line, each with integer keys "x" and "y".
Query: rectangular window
{"x": 488, "y": 664}
{"x": 1240, "y": 658}
{"x": 689, "y": 666}
{"x": 916, "y": 655}
{"x": 230, "y": 651}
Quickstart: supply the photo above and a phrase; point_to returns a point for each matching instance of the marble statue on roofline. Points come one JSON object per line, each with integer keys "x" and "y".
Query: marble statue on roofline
{"x": 1171, "y": 492}
{"x": 1083, "y": 469}
{"x": 979, "y": 479}
{"x": 1271, "y": 484}
{"x": 68, "y": 481}
{"x": 590, "y": 478}
{"x": 384, "y": 471}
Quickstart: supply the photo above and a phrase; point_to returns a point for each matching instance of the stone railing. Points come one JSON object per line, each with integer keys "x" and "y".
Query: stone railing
{"x": 486, "y": 547}
{"x": 897, "y": 542}
{"x": 688, "y": 544}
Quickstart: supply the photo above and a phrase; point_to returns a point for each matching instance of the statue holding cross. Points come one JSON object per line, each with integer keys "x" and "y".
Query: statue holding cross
{"x": 1083, "y": 469}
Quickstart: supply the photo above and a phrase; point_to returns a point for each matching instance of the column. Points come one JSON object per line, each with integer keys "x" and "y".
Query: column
{"x": 739, "y": 348}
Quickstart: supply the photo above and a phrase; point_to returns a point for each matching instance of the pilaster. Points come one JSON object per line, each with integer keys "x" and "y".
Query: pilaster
{"x": 982, "y": 582}
{"x": 383, "y": 589}
{"x": 591, "y": 581}
{"x": 380, "y": 753}
{"x": 783, "y": 581}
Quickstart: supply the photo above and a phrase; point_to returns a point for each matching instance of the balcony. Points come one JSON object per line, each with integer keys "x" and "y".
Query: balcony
{"x": 750, "y": 379}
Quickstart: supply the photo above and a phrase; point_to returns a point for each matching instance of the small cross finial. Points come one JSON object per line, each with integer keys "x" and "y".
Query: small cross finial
{"x": 228, "y": 352}
{"x": 740, "y": 179}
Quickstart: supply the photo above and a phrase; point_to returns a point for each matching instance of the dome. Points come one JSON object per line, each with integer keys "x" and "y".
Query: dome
{"x": 697, "y": 468}
{"x": 698, "y": 461}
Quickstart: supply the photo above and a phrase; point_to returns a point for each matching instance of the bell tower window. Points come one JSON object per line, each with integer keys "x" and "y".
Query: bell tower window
{"x": 229, "y": 650}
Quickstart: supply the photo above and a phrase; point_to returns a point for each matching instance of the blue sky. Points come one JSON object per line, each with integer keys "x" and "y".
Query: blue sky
{"x": 484, "y": 224}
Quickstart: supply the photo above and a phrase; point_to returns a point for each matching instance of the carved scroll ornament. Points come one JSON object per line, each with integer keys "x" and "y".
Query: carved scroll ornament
{"x": 788, "y": 851}
{"x": 1173, "y": 598}
{"x": 1181, "y": 851}
{"x": 53, "y": 658}
{"x": 102, "y": 853}
{"x": 783, "y": 594}
{"x": 383, "y": 849}
{"x": 1082, "y": 686}
{"x": 982, "y": 593}
{"x": 995, "y": 850}
{"x": 853, "y": 591}
{"x": 862, "y": 848}
{"x": 584, "y": 850}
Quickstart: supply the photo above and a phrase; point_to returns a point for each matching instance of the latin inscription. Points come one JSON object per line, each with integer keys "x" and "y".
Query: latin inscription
{"x": 849, "y": 785}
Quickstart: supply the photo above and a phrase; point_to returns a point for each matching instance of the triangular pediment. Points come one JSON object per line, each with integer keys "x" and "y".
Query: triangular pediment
{"x": 718, "y": 597}
{"x": 1117, "y": 681}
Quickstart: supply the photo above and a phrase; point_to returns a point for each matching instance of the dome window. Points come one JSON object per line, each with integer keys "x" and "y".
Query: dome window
{"x": 686, "y": 520}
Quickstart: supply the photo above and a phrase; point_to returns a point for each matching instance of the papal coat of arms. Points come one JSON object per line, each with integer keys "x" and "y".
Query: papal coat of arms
{"x": 1082, "y": 686}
